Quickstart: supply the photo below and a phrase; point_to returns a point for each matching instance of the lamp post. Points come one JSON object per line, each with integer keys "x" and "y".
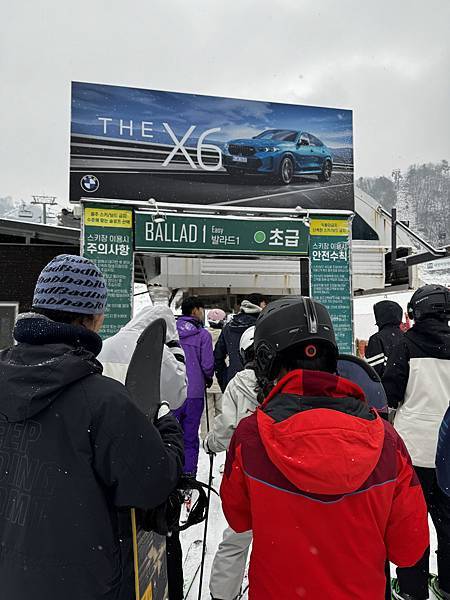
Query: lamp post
{"x": 44, "y": 201}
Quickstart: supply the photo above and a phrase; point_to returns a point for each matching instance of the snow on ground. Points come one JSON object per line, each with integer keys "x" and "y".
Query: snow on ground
{"x": 217, "y": 524}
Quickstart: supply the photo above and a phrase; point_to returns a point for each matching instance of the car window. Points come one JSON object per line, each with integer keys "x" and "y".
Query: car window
{"x": 281, "y": 135}
{"x": 290, "y": 137}
{"x": 315, "y": 141}
{"x": 304, "y": 139}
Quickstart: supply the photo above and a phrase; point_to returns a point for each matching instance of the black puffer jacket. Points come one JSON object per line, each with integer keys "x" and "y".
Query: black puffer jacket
{"x": 73, "y": 450}
{"x": 388, "y": 316}
{"x": 228, "y": 345}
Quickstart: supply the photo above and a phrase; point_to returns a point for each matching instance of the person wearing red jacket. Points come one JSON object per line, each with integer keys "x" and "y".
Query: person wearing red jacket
{"x": 326, "y": 485}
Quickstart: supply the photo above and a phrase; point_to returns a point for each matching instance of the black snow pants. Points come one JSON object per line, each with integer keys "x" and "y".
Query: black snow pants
{"x": 414, "y": 580}
{"x": 174, "y": 566}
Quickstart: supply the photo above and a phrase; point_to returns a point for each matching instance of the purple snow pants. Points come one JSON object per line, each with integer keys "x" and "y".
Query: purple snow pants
{"x": 189, "y": 416}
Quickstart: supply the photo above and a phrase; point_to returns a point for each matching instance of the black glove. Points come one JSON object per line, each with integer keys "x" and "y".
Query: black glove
{"x": 164, "y": 518}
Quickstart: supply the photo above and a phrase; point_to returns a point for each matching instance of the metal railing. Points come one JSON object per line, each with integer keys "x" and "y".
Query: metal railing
{"x": 431, "y": 249}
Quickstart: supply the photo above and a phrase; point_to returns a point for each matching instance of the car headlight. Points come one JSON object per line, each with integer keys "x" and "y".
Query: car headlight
{"x": 225, "y": 147}
{"x": 267, "y": 149}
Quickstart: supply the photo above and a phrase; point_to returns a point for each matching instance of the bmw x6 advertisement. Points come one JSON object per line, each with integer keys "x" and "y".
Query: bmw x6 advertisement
{"x": 137, "y": 144}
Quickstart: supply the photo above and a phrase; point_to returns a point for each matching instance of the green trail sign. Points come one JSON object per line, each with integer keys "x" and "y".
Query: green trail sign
{"x": 221, "y": 235}
{"x": 331, "y": 275}
{"x": 112, "y": 234}
{"x": 108, "y": 241}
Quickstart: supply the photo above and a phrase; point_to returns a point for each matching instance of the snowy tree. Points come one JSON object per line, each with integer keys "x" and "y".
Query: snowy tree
{"x": 422, "y": 197}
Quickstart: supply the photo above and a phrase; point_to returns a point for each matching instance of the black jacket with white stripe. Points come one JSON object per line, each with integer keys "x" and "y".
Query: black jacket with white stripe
{"x": 380, "y": 346}
{"x": 417, "y": 383}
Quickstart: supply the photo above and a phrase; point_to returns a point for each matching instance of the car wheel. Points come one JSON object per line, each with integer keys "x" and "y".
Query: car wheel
{"x": 286, "y": 170}
{"x": 326, "y": 171}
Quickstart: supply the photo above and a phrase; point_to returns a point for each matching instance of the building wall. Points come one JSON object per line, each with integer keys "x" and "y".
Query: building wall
{"x": 20, "y": 266}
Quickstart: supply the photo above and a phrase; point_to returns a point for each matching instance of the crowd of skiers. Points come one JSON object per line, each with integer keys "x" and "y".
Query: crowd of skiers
{"x": 321, "y": 485}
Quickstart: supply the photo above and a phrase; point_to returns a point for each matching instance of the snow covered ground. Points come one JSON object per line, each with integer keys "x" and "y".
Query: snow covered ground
{"x": 216, "y": 526}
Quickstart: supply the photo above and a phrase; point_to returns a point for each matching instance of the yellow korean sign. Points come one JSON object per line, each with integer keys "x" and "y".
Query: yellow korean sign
{"x": 108, "y": 217}
{"x": 333, "y": 227}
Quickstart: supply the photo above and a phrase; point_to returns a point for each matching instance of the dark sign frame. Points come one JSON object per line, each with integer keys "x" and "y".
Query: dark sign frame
{"x": 328, "y": 249}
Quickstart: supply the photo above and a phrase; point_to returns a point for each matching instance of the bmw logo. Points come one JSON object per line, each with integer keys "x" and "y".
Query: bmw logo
{"x": 89, "y": 183}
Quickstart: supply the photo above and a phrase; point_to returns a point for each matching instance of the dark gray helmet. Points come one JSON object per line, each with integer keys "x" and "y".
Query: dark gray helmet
{"x": 430, "y": 300}
{"x": 286, "y": 323}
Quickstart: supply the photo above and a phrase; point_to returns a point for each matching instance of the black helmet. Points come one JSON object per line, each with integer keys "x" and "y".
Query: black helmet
{"x": 288, "y": 322}
{"x": 430, "y": 300}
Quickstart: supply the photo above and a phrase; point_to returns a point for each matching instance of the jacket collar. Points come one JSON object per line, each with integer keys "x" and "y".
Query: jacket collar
{"x": 317, "y": 384}
{"x": 35, "y": 329}
{"x": 192, "y": 320}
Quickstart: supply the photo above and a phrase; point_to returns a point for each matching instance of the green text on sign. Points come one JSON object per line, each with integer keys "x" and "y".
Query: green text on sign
{"x": 220, "y": 235}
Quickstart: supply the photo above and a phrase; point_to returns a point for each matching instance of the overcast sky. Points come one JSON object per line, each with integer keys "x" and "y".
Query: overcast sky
{"x": 388, "y": 61}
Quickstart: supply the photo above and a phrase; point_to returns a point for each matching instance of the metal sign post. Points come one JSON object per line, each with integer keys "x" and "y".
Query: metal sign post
{"x": 113, "y": 231}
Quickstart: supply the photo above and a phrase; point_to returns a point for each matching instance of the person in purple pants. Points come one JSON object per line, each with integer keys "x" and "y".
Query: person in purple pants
{"x": 197, "y": 345}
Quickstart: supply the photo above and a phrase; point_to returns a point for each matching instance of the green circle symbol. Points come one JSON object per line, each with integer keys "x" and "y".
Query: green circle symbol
{"x": 259, "y": 237}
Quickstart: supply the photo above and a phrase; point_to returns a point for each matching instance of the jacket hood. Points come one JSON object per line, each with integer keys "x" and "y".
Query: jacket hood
{"x": 388, "y": 312}
{"x": 249, "y": 308}
{"x": 242, "y": 321}
{"x": 33, "y": 374}
{"x": 188, "y": 327}
{"x": 319, "y": 432}
{"x": 147, "y": 315}
{"x": 432, "y": 336}
{"x": 119, "y": 348}
{"x": 245, "y": 384}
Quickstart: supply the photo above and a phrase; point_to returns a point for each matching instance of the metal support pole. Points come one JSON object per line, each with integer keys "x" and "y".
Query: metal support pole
{"x": 393, "y": 237}
{"x": 418, "y": 238}
{"x": 44, "y": 201}
{"x": 300, "y": 277}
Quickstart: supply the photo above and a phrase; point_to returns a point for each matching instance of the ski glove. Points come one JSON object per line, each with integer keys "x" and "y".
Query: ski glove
{"x": 164, "y": 518}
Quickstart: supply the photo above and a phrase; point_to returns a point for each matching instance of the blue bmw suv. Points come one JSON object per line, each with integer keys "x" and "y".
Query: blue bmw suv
{"x": 279, "y": 153}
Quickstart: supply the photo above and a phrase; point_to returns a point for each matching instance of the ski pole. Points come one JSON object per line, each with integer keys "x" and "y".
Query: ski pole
{"x": 205, "y": 533}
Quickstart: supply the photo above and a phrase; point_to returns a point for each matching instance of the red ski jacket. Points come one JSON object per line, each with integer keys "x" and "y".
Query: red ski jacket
{"x": 328, "y": 489}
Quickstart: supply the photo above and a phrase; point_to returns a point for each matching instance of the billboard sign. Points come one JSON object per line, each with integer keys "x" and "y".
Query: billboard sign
{"x": 134, "y": 144}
